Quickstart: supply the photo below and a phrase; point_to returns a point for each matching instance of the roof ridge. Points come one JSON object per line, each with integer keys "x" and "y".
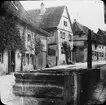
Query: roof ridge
{"x": 102, "y": 32}
{"x": 47, "y": 8}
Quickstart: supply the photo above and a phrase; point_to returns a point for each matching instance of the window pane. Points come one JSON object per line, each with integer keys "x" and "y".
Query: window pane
{"x": 27, "y": 58}
{"x": 29, "y": 37}
{"x": 70, "y": 37}
{"x": 63, "y": 35}
{"x": 62, "y": 50}
{"x": 65, "y": 23}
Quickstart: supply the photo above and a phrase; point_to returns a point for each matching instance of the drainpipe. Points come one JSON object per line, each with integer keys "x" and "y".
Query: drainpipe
{"x": 21, "y": 62}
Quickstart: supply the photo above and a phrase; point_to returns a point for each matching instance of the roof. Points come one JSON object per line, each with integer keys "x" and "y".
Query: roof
{"x": 98, "y": 38}
{"x": 51, "y": 17}
{"x": 21, "y": 14}
{"x": 101, "y": 32}
{"x": 79, "y": 28}
{"x": 102, "y": 35}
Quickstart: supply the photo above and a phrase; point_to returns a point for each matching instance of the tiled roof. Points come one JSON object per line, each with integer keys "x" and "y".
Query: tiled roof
{"x": 21, "y": 14}
{"x": 99, "y": 37}
{"x": 102, "y": 34}
{"x": 79, "y": 29}
{"x": 50, "y": 18}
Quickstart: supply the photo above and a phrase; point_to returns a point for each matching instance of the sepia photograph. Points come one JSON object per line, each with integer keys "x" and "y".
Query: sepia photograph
{"x": 53, "y": 52}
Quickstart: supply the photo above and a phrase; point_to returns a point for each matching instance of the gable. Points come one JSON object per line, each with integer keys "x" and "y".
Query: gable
{"x": 65, "y": 18}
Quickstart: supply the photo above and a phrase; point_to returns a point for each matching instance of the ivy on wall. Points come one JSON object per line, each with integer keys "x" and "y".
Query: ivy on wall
{"x": 38, "y": 46}
{"x": 9, "y": 34}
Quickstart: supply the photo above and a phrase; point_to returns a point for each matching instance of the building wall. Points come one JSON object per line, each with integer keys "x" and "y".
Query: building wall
{"x": 41, "y": 58}
{"x": 64, "y": 28}
{"x": 77, "y": 40}
{"x": 29, "y": 56}
{"x": 4, "y": 62}
{"x": 99, "y": 49}
{"x": 29, "y": 45}
{"x": 53, "y": 53}
{"x": 53, "y": 38}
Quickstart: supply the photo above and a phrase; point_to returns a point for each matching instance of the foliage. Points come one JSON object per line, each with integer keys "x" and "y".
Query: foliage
{"x": 67, "y": 51}
{"x": 9, "y": 34}
{"x": 38, "y": 46}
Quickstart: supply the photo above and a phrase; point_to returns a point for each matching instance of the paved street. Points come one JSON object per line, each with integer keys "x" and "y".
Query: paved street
{"x": 83, "y": 65}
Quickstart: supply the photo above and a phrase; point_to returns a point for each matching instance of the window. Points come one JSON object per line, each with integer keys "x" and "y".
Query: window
{"x": 29, "y": 37}
{"x": 27, "y": 58}
{"x": 105, "y": 54}
{"x": 51, "y": 51}
{"x": 24, "y": 59}
{"x": 31, "y": 59}
{"x": 95, "y": 53}
{"x": 102, "y": 54}
{"x": 65, "y": 23}
{"x": 62, "y": 50}
{"x": 62, "y": 34}
{"x": 1, "y": 57}
{"x": 70, "y": 37}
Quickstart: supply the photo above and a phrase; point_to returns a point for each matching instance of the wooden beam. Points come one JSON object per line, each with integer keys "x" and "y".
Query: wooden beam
{"x": 89, "y": 54}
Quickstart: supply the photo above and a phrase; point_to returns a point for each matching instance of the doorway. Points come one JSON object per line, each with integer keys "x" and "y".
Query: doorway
{"x": 11, "y": 61}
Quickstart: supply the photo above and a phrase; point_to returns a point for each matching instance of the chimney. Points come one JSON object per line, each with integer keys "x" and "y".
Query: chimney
{"x": 42, "y": 9}
{"x": 74, "y": 20}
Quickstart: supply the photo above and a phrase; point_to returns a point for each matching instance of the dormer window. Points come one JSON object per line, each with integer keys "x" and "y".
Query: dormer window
{"x": 65, "y": 23}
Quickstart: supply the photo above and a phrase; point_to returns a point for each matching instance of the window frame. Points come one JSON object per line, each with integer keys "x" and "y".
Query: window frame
{"x": 28, "y": 37}
{"x": 1, "y": 57}
{"x": 65, "y": 23}
{"x": 62, "y": 34}
{"x": 62, "y": 50}
{"x": 70, "y": 37}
